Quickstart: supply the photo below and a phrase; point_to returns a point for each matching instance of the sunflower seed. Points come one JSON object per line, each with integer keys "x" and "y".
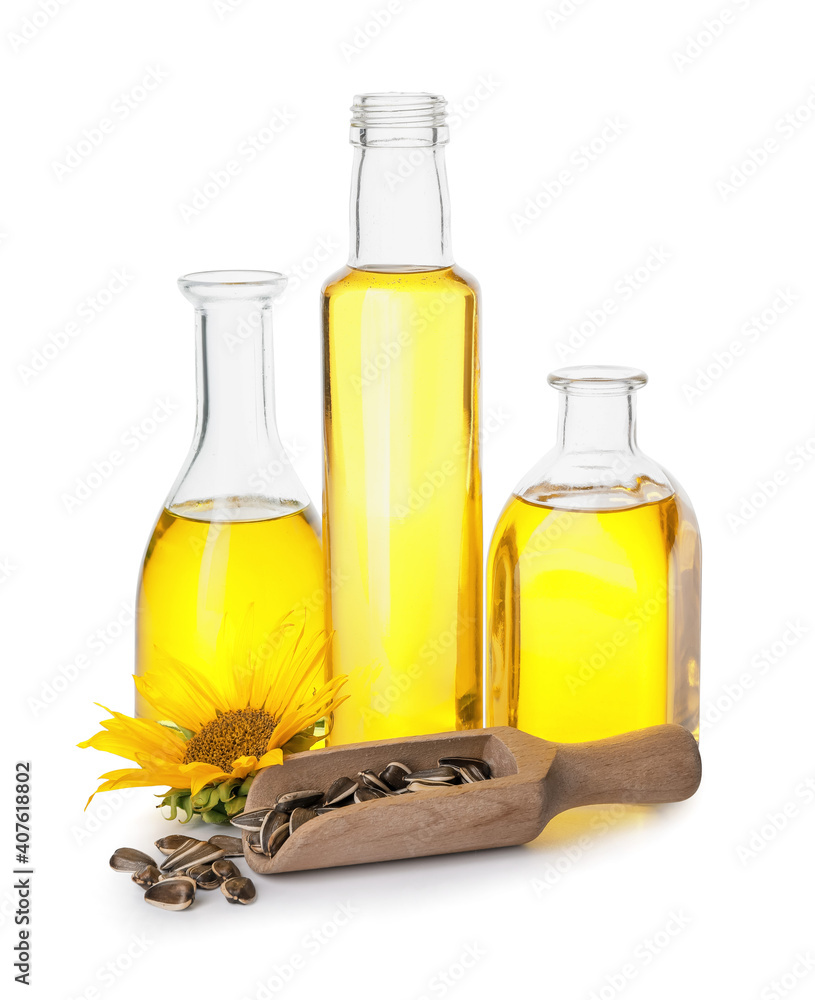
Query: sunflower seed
{"x": 444, "y": 775}
{"x": 366, "y": 794}
{"x": 224, "y": 869}
{"x": 147, "y": 876}
{"x": 341, "y": 792}
{"x": 289, "y": 801}
{"x": 200, "y": 853}
{"x": 279, "y": 838}
{"x": 470, "y": 768}
{"x": 423, "y": 786}
{"x": 300, "y": 816}
{"x": 209, "y": 881}
{"x": 178, "y": 858}
{"x": 128, "y": 859}
{"x": 172, "y": 894}
{"x": 204, "y": 876}
{"x": 231, "y": 846}
{"x": 201, "y": 874}
{"x": 270, "y": 837}
{"x": 239, "y": 890}
{"x": 394, "y": 775}
{"x": 169, "y": 845}
{"x": 372, "y": 780}
{"x": 253, "y": 842}
{"x": 252, "y": 821}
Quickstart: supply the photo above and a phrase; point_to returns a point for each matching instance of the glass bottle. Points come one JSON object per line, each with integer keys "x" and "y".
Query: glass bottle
{"x": 236, "y": 548}
{"x": 402, "y": 505}
{"x": 594, "y": 579}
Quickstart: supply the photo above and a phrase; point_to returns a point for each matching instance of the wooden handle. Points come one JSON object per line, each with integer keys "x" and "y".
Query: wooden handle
{"x": 660, "y": 764}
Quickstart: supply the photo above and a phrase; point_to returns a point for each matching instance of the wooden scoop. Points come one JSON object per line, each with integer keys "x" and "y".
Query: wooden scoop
{"x": 532, "y": 781}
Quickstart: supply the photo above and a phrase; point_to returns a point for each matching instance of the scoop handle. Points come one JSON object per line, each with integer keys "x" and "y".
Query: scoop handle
{"x": 660, "y": 764}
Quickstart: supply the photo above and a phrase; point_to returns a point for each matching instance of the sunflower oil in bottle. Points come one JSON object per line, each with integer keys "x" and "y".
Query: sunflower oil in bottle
{"x": 203, "y": 567}
{"x": 402, "y": 514}
{"x": 594, "y": 580}
{"x": 236, "y": 549}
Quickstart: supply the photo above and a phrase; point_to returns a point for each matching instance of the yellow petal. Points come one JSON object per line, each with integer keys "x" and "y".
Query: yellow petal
{"x": 271, "y": 757}
{"x": 179, "y": 693}
{"x": 199, "y": 774}
{"x": 229, "y": 669}
{"x": 139, "y": 778}
{"x": 294, "y": 722}
{"x": 295, "y": 685}
{"x": 267, "y": 662}
{"x": 128, "y": 738}
{"x": 243, "y": 766}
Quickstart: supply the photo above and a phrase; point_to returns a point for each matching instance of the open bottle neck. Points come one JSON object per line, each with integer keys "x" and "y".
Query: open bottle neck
{"x": 400, "y": 210}
{"x": 589, "y": 424}
{"x": 235, "y": 375}
{"x": 236, "y": 460}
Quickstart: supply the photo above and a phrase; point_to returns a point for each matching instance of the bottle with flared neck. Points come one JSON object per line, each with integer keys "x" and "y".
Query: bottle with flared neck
{"x": 594, "y": 578}
{"x": 236, "y": 547}
{"x": 402, "y": 512}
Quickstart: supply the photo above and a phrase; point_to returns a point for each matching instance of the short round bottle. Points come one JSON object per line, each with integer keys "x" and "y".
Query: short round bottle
{"x": 594, "y": 578}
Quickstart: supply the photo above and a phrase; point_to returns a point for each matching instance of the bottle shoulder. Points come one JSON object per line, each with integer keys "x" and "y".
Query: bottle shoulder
{"x": 683, "y": 501}
{"x": 467, "y": 279}
{"x": 449, "y": 280}
{"x": 586, "y": 480}
{"x": 335, "y": 280}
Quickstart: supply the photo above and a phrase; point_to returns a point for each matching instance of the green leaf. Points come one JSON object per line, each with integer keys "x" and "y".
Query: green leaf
{"x": 302, "y": 741}
{"x": 185, "y": 734}
{"x": 200, "y": 800}
{"x": 235, "y": 806}
{"x": 214, "y": 816}
{"x": 185, "y": 805}
{"x": 227, "y": 789}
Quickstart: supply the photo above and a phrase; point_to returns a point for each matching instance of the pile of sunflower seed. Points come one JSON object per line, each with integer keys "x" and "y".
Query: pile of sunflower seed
{"x": 188, "y": 865}
{"x": 268, "y": 829}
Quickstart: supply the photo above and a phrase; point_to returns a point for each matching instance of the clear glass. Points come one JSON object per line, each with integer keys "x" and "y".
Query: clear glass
{"x": 594, "y": 579}
{"x": 236, "y": 547}
{"x": 402, "y": 497}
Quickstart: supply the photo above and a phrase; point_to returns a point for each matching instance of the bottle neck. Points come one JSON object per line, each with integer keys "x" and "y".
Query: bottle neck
{"x": 596, "y": 463}
{"x": 595, "y": 423}
{"x": 400, "y": 211}
{"x": 234, "y": 367}
{"x": 236, "y": 456}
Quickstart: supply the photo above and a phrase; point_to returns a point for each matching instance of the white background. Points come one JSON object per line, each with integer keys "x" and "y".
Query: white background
{"x": 594, "y": 895}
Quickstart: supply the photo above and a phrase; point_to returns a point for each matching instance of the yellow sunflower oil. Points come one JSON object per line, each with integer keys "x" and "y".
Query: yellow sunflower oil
{"x": 582, "y": 623}
{"x": 243, "y": 561}
{"x": 402, "y": 530}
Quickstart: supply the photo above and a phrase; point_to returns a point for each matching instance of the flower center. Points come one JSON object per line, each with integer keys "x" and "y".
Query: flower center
{"x": 241, "y": 733}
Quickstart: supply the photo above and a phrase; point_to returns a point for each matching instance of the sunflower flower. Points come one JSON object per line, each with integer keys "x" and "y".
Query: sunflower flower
{"x": 220, "y": 727}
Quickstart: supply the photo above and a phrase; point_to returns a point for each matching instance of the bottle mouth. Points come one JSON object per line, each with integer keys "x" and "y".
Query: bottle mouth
{"x": 211, "y": 286}
{"x": 399, "y": 119}
{"x": 597, "y": 380}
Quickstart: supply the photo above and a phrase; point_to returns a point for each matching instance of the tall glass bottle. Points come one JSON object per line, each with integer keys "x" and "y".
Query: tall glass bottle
{"x": 402, "y": 507}
{"x": 236, "y": 547}
{"x": 594, "y": 579}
